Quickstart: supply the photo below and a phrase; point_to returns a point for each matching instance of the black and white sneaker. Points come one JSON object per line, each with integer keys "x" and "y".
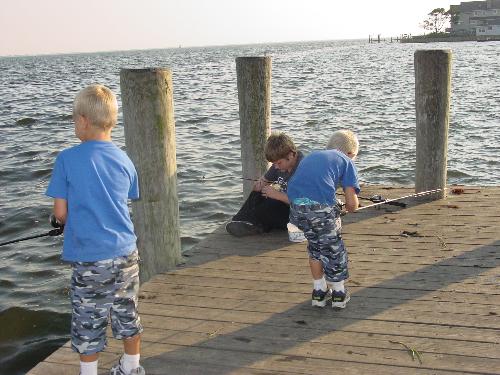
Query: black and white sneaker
{"x": 118, "y": 370}
{"x": 320, "y": 297}
{"x": 242, "y": 228}
{"x": 340, "y": 299}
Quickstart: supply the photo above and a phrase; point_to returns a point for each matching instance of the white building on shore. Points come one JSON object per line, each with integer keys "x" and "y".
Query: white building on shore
{"x": 480, "y": 18}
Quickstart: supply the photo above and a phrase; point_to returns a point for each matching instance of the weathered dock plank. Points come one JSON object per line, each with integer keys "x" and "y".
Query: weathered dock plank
{"x": 424, "y": 277}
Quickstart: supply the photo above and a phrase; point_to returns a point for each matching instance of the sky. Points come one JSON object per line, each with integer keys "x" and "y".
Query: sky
{"x": 30, "y": 27}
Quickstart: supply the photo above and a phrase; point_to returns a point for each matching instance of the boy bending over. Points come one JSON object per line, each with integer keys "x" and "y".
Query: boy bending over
{"x": 311, "y": 192}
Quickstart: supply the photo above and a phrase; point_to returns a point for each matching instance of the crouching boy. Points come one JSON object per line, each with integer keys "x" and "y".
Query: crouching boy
{"x": 267, "y": 206}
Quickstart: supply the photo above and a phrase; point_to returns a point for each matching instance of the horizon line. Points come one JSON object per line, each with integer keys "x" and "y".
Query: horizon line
{"x": 179, "y": 47}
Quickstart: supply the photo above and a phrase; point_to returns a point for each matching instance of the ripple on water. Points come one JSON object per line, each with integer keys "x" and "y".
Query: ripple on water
{"x": 7, "y": 284}
{"x": 26, "y": 121}
{"x": 42, "y": 173}
{"x": 454, "y": 173}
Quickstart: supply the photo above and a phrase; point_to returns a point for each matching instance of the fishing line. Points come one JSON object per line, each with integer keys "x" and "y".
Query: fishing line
{"x": 203, "y": 178}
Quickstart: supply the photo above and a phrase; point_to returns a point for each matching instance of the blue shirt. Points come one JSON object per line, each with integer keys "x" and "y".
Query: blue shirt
{"x": 96, "y": 179}
{"x": 318, "y": 175}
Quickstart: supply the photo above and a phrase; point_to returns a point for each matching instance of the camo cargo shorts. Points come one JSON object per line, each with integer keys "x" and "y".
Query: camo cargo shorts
{"x": 322, "y": 228}
{"x": 100, "y": 291}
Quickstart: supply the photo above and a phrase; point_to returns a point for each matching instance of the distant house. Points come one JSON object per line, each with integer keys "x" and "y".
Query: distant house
{"x": 480, "y": 18}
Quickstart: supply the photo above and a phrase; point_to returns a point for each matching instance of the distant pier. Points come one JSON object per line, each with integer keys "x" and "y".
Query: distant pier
{"x": 378, "y": 38}
{"x": 408, "y": 38}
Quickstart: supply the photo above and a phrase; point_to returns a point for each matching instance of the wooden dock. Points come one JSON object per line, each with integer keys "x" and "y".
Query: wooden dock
{"x": 425, "y": 299}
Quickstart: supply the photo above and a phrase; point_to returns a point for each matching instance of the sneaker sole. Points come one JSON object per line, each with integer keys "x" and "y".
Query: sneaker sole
{"x": 241, "y": 229}
{"x": 319, "y": 303}
{"x": 341, "y": 305}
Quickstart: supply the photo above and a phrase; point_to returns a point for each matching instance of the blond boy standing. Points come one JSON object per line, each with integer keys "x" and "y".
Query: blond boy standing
{"x": 91, "y": 184}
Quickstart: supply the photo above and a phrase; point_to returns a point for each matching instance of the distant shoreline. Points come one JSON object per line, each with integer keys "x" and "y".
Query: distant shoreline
{"x": 468, "y": 38}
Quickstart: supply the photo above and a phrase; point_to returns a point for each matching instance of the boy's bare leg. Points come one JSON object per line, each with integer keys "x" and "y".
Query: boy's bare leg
{"x": 132, "y": 345}
{"x": 89, "y": 358}
{"x": 130, "y": 360}
{"x": 316, "y": 269}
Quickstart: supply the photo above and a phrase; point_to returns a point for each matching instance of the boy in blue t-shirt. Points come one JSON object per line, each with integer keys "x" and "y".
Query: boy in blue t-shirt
{"x": 91, "y": 184}
{"x": 313, "y": 209}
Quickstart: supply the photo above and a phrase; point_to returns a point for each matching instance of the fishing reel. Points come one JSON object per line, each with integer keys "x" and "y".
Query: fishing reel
{"x": 54, "y": 222}
{"x": 340, "y": 206}
{"x": 59, "y": 227}
{"x": 379, "y": 199}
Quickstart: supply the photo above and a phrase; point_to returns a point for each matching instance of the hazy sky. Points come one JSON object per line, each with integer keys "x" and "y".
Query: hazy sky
{"x": 58, "y": 26}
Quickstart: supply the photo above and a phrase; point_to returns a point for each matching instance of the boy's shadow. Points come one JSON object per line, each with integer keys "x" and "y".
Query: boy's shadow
{"x": 264, "y": 345}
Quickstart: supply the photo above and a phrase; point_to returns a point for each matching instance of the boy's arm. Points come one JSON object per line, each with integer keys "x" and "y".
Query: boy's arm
{"x": 266, "y": 179}
{"x": 270, "y": 192}
{"x": 351, "y": 199}
{"x": 60, "y": 210}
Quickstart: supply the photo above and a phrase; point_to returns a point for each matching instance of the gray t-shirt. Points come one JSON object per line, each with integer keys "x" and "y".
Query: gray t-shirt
{"x": 276, "y": 176}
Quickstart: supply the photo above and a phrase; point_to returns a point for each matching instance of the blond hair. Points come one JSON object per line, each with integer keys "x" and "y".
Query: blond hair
{"x": 98, "y": 104}
{"x": 278, "y": 146}
{"x": 345, "y": 141}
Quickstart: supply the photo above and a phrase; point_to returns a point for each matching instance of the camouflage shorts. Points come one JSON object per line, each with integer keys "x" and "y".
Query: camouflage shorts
{"x": 322, "y": 228}
{"x": 100, "y": 291}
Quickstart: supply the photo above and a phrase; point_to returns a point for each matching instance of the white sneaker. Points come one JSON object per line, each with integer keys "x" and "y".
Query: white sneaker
{"x": 118, "y": 370}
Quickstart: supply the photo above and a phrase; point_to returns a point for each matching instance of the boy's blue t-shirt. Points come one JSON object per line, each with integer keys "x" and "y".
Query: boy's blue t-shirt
{"x": 96, "y": 179}
{"x": 318, "y": 175}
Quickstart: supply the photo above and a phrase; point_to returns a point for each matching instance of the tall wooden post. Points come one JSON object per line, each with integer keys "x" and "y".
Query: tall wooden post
{"x": 254, "y": 96}
{"x": 148, "y": 114}
{"x": 432, "y": 103}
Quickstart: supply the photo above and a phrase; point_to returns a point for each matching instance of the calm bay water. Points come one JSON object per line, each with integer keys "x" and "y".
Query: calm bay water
{"x": 317, "y": 87}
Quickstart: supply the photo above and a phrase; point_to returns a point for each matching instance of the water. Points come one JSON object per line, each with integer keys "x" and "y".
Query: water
{"x": 316, "y": 88}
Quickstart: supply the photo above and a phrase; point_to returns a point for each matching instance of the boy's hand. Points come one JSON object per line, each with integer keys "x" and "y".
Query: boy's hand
{"x": 260, "y": 184}
{"x": 351, "y": 199}
{"x": 269, "y": 191}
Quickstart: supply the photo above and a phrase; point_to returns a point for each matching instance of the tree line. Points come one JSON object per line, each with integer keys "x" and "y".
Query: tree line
{"x": 437, "y": 20}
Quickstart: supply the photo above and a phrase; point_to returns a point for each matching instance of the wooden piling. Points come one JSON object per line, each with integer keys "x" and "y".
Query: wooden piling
{"x": 254, "y": 96}
{"x": 432, "y": 103}
{"x": 148, "y": 114}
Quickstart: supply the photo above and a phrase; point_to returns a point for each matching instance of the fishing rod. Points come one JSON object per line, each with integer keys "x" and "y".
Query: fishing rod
{"x": 390, "y": 201}
{"x": 380, "y": 199}
{"x": 236, "y": 178}
{"x": 58, "y": 230}
{"x": 375, "y": 199}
